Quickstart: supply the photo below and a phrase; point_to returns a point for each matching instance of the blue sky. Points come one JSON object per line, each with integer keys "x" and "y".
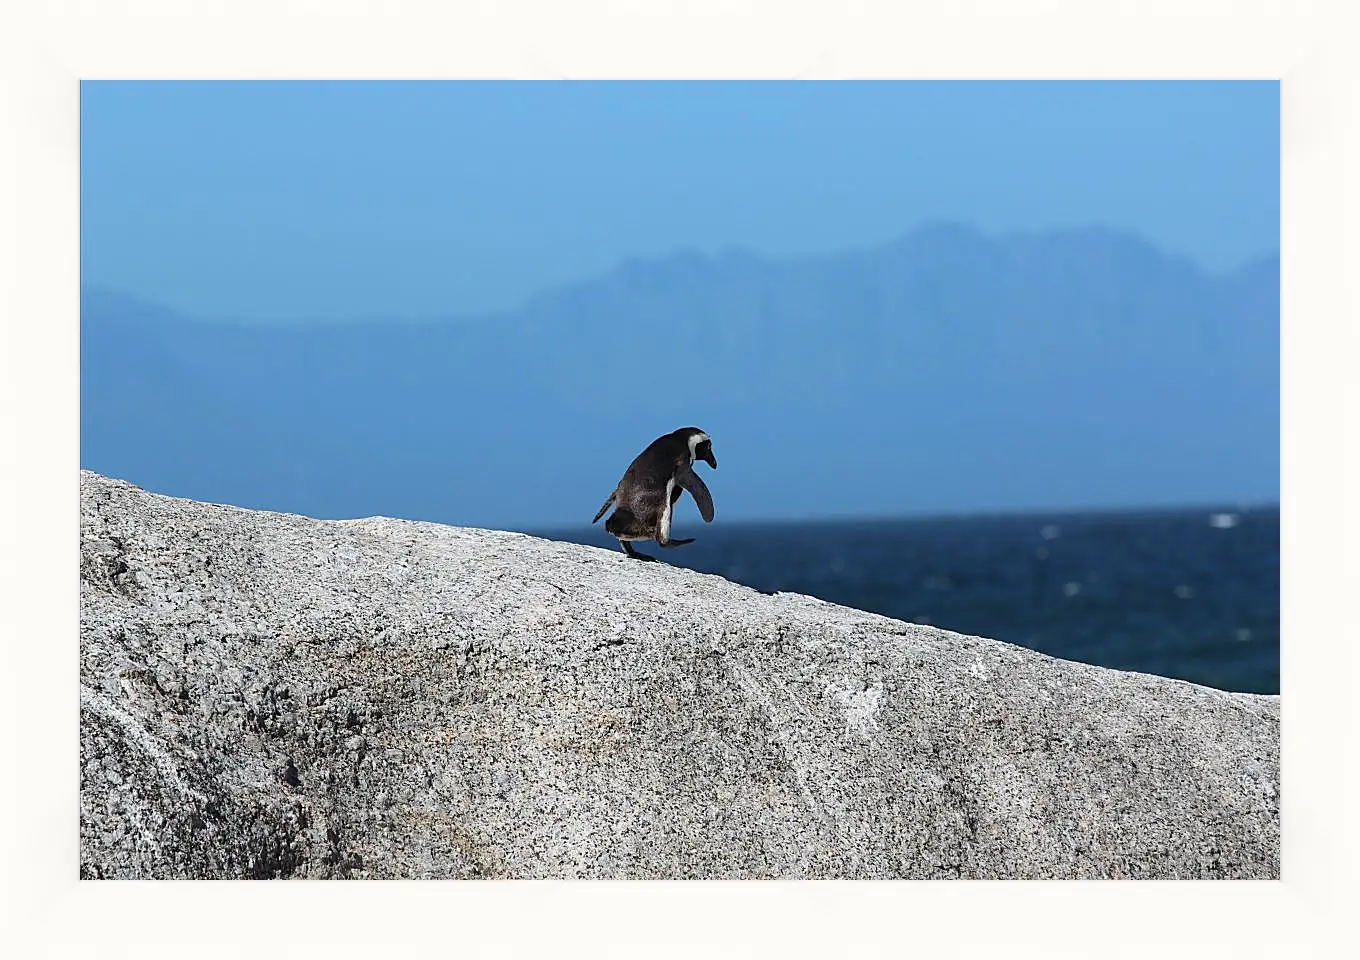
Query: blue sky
{"x": 324, "y": 200}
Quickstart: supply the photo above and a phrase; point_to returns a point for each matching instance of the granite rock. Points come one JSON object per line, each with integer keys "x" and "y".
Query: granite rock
{"x": 268, "y": 695}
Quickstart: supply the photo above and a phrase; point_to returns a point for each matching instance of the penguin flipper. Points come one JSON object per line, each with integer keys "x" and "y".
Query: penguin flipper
{"x": 692, "y": 482}
{"x": 606, "y": 506}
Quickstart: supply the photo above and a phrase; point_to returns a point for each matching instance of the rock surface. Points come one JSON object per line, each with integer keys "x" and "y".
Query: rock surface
{"x": 266, "y": 695}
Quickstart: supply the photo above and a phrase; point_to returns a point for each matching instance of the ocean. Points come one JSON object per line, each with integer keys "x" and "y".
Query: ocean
{"x": 1186, "y": 593}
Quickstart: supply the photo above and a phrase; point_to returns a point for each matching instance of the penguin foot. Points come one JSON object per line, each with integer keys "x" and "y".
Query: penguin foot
{"x": 628, "y": 549}
{"x": 674, "y": 543}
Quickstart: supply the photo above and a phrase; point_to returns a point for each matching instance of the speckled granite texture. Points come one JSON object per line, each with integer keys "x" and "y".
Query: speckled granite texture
{"x": 266, "y": 695}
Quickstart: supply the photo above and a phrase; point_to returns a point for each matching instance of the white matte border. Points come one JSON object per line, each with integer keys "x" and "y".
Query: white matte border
{"x": 46, "y": 48}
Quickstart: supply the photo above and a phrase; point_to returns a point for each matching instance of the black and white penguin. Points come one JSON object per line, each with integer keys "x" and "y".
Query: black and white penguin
{"x": 651, "y": 485}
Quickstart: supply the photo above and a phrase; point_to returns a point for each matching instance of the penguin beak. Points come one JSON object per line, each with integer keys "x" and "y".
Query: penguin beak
{"x": 712, "y": 460}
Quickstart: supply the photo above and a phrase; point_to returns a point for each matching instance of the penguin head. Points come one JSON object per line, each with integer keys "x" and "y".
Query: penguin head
{"x": 704, "y": 451}
{"x": 700, "y": 446}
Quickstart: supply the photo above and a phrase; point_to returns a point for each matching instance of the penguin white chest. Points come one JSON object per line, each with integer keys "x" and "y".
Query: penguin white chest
{"x": 664, "y": 527}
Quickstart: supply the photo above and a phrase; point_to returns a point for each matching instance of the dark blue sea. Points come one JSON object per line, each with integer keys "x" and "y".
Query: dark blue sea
{"x": 1190, "y": 593}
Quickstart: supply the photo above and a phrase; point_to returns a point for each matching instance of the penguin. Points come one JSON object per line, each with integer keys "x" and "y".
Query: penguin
{"x": 653, "y": 483}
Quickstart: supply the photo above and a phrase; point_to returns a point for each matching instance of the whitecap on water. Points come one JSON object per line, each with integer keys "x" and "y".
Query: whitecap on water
{"x": 1223, "y": 521}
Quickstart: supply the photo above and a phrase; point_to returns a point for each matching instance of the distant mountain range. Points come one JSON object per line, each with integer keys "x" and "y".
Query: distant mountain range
{"x": 948, "y": 371}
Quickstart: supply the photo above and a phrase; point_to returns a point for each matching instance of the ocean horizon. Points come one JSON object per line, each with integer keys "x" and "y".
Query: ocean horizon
{"x": 1190, "y": 592}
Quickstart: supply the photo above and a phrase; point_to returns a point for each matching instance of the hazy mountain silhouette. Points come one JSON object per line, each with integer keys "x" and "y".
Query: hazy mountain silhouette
{"x": 947, "y": 371}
